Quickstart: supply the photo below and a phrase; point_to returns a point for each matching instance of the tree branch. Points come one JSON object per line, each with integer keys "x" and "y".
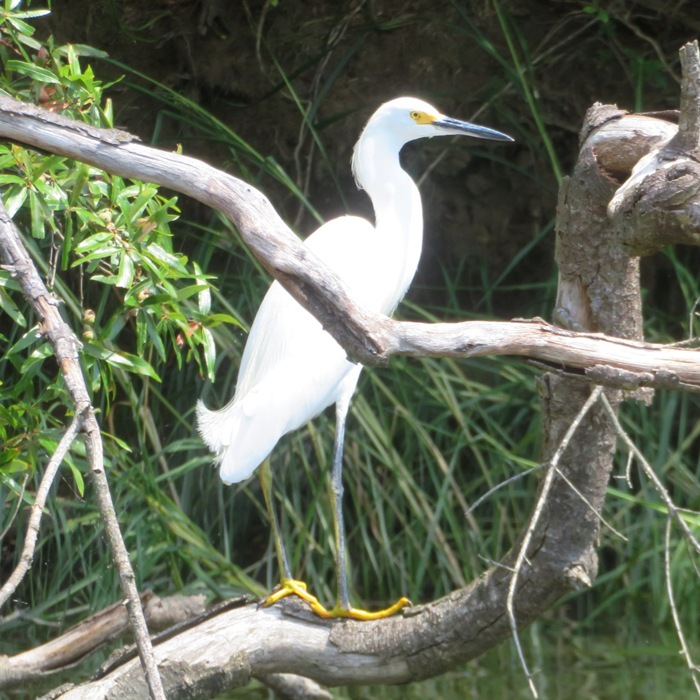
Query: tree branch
{"x": 75, "y": 644}
{"x": 65, "y": 345}
{"x": 42, "y": 494}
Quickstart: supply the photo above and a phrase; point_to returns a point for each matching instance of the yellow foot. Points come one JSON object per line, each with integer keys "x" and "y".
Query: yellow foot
{"x": 298, "y": 588}
{"x": 359, "y": 614}
{"x": 290, "y": 586}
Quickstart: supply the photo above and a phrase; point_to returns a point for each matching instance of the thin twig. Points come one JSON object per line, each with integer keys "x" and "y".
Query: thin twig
{"x": 500, "y": 485}
{"x": 673, "y": 511}
{"x": 566, "y": 479}
{"x": 595, "y": 512}
{"x": 627, "y": 476}
{"x": 37, "y": 510}
{"x": 624, "y": 18}
{"x": 539, "y": 509}
{"x": 691, "y": 319}
{"x": 692, "y": 667}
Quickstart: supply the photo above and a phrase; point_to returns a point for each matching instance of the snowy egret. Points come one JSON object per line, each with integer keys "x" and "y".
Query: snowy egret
{"x": 291, "y": 368}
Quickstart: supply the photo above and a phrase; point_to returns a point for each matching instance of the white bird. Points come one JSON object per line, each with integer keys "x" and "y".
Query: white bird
{"x": 291, "y": 368}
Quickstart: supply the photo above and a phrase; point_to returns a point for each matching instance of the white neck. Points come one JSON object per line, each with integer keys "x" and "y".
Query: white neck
{"x": 397, "y": 209}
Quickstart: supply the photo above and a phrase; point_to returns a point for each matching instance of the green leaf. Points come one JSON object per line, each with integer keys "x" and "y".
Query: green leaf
{"x": 7, "y": 179}
{"x": 22, "y": 27}
{"x": 204, "y": 298}
{"x": 119, "y": 442}
{"x": 126, "y": 272}
{"x": 104, "y": 279}
{"x": 37, "y": 357}
{"x": 166, "y": 258}
{"x": 38, "y": 215}
{"x": 154, "y": 336}
{"x": 81, "y": 50}
{"x": 141, "y": 332}
{"x": 27, "y": 340}
{"x": 15, "y": 200}
{"x": 122, "y": 360}
{"x": 48, "y": 443}
{"x": 95, "y": 241}
{"x": 11, "y": 309}
{"x": 7, "y": 456}
{"x": 42, "y": 75}
{"x": 134, "y": 208}
{"x": 190, "y": 290}
{"x": 216, "y": 319}
{"x": 209, "y": 353}
{"x": 77, "y": 477}
{"x": 27, "y": 14}
{"x": 156, "y": 300}
{"x": 12, "y": 466}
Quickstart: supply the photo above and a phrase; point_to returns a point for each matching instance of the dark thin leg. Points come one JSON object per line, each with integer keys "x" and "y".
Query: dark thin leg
{"x": 341, "y": 414}
{"x": 288, "y": 585}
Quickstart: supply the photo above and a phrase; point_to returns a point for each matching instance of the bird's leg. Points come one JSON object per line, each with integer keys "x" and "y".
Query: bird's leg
{"x": 288, "y": 584}
{"x": 341, "y": 414}
{"x": 342, "y": 607}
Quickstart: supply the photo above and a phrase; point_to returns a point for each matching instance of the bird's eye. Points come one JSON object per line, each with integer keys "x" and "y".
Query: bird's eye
{"x": 415, "y": 115}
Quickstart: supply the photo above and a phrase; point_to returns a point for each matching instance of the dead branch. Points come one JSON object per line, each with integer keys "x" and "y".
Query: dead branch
{"x": 42, "y": 494}
{"x": 660, "y": 203}
{"x": 520, "y": 559}
{"x": 673, "y": 511}
{"x": 693, "y": 668}
{"x": 368, "y": 338}
{"x": 75, "y": 644}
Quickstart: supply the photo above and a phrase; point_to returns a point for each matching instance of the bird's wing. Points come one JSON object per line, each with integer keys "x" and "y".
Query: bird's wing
{"x": 291, "y": 368}
{"x": 282, "y": 329}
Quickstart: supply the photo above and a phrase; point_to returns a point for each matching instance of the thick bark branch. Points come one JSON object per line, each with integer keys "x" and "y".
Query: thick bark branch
{"x": 86, "y": 637}
{"x": 660, "y": 203}
{"x": 279, "y": 250}
{"x": 606, "y": 360}
{"x": 227, "y": 650}
{"x": 368, "y": 338}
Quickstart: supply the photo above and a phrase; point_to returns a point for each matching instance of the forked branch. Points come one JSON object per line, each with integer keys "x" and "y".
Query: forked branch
{"x": 16, "y": 260}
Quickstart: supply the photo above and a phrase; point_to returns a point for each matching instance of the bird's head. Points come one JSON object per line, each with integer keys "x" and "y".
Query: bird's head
{"x": 408, "y": 118}
{"x": 396, "y": 123}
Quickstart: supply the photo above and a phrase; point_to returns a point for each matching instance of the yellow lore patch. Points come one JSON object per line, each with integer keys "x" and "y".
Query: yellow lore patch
{"x": 422, "y": 117}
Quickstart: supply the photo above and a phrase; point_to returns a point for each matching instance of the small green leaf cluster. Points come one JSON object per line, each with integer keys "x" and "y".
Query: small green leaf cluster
{"x": 105, "y": 249}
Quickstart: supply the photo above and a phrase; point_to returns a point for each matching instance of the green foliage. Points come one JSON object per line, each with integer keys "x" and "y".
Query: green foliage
{"x": 141, "y": 308}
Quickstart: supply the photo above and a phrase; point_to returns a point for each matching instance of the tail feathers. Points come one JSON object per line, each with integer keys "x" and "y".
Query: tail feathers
{"x": 238, "y": 441}
{"x": 212, "y": 427}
